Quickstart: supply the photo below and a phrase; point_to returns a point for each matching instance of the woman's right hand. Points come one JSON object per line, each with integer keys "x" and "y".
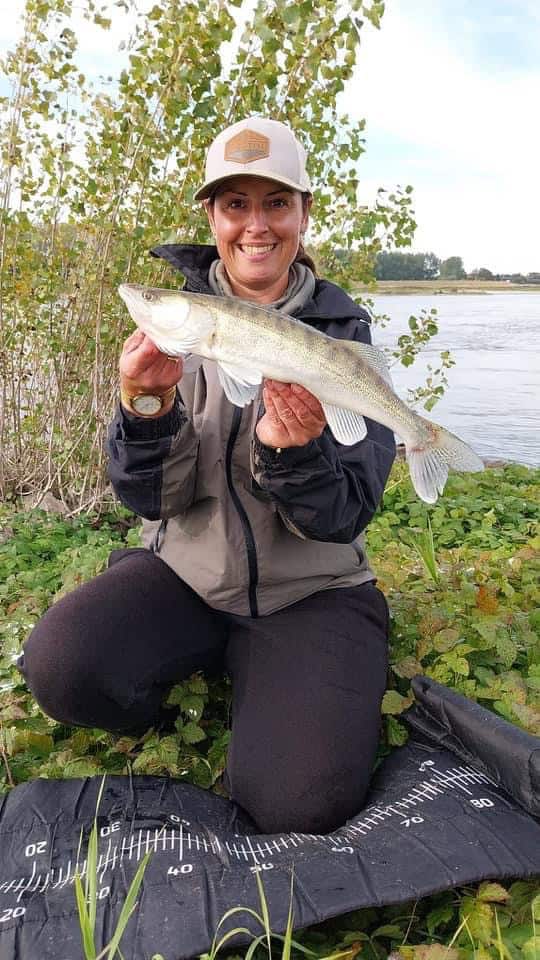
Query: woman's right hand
{"x": 145, "y": 369}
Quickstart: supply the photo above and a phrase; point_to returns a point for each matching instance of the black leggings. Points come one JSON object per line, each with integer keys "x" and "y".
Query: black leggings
{"x": 307, "y": 681}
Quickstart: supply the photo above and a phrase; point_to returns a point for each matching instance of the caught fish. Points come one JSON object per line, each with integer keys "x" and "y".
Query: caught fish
{"x": 351, "y": 380}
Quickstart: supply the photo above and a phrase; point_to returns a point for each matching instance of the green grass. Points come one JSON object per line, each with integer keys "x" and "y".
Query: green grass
{"x": 462, "y": 580}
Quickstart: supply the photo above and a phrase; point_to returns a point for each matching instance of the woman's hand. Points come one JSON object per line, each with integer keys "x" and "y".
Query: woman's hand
{"x": 144, "y": 369}
{"x": 293, "y": 415}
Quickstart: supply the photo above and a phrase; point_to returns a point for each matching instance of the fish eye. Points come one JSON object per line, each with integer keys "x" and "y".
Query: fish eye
{"x": 147, "y": 295}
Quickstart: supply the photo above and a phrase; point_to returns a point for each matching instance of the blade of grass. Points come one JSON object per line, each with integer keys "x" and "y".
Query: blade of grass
{"x": 264, "y": 911}
{"x": 233, "y": 910}
{"x": 227, "y": 936}
{"x": 91, "y": 871}
{"x": 87, "y": 934}
{"x": 286, "y": 952}
{"x": 229, "y": 913}
{"x": 425, "y": 548}
{"x": 351, "y": 952}
{"x": 302, "y": 949}
{"x": 458, "y": 931}
{"x": 253, "y": 946}
{"x": 504, "y": 953}
{"x": 90, "y": 887}
{"x": 128, "y": 907}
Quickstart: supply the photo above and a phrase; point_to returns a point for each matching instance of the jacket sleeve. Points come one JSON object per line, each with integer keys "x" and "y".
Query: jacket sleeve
{"x": 152, "y": 463}
{"x": 325, "y": 490}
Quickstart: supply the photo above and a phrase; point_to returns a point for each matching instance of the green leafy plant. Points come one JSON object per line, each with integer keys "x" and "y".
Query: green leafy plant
{"x": 425, "y": 548}
{"x": 476, "y": 629}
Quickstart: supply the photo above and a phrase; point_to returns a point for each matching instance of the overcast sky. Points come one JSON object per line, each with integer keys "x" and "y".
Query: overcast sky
{"x": 450, "y": 92}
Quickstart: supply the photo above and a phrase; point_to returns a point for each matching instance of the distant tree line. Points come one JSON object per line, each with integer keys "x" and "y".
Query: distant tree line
{"x": 391, "y": 265}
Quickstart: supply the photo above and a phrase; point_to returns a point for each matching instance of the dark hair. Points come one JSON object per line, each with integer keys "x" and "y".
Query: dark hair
{"x": 301, "y": 255}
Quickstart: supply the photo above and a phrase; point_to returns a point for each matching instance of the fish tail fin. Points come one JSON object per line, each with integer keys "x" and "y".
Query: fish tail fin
{"x": 430, "y": 462}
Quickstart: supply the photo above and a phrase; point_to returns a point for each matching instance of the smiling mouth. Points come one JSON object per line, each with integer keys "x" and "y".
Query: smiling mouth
{"x": 252, "y": 250}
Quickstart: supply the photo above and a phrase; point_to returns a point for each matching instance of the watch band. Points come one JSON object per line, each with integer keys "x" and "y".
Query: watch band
{"x": 127, "y": 399}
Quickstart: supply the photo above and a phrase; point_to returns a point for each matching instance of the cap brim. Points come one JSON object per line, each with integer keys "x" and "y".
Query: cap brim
{"x": 208, "y": 188}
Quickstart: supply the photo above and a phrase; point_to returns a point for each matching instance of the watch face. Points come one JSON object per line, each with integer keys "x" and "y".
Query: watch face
{"x": 146, "y": 404}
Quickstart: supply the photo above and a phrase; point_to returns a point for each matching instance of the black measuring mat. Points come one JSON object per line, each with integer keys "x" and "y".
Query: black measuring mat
{"x": 456, "y": 805}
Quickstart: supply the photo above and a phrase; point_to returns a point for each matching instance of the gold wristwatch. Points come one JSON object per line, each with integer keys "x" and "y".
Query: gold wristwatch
{"x": 146, "y": 404}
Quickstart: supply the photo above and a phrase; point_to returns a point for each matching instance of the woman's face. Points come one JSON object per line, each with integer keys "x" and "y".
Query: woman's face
{"x": 257, "y": 224}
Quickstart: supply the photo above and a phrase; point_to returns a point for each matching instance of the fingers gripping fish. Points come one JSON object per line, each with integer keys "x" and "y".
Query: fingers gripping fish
{"x": 351, "y": 380}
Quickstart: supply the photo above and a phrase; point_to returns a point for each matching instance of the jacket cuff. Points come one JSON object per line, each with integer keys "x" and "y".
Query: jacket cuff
{"x": 139, "y": 428}
{"x": 284, "y": 459}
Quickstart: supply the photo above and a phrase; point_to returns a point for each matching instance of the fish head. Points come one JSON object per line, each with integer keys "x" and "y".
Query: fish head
{"x": 176, "y": 321}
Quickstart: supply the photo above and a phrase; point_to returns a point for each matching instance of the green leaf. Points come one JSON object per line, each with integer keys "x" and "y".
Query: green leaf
{"x": 492, "y": 893}
{"x": 396, "y": 733}
{"x": 197, "y": 684}
{"x": 394, "y": 703}
{"x": 408, "y": 667}
{"x": 28, "y": 740}
{"x": 439, "y": 916}
{"x": 446, "y": 639}
{"x": 192, "y": 705}
{"x": 389, "y": 930}
{"x": 168, "y": 750}
{"x": 434, "y": 951}
{"x": 479, "y": 918}
{"x": 192, "y": 733}
{"x": 531, "y": 948}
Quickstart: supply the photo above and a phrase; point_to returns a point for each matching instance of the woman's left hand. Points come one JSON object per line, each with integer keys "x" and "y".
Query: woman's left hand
{"x": 293, "y": 415}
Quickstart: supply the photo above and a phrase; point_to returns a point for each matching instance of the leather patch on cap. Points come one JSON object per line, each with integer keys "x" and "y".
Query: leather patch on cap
{"x": 247, "y": 146}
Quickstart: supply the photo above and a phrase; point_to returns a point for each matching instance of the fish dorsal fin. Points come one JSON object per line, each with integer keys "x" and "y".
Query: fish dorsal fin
{"x": 241, "y": 386}
{"x": 375, "y": 357}
{"x": 347, "y": 426}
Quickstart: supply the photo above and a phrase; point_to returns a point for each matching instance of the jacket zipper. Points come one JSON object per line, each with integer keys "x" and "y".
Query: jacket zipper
{"x": 251, "y": 550}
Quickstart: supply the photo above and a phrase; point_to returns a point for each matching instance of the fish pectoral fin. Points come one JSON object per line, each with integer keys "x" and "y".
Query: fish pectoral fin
{"x": 375, "y": 357}
{"x": 241, "y": 386}
{"x": 347, "y": 426}
{"x": 172, "y": 345}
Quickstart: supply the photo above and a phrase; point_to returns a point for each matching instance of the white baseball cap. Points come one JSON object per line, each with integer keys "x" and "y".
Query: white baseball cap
{"x": 256, "y": 147}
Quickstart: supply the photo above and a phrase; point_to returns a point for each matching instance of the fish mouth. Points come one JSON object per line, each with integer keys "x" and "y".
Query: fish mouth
{"x": 131, "y": 294}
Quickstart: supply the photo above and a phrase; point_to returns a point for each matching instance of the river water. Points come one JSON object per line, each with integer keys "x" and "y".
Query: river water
{"x": 493, "y": 396}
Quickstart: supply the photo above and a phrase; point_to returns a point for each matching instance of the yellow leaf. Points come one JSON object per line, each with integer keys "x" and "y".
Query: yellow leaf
{"x": 492, "y": 893}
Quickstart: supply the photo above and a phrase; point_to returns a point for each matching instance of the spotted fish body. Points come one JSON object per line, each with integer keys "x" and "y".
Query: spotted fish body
{"x": 250, "y": 343}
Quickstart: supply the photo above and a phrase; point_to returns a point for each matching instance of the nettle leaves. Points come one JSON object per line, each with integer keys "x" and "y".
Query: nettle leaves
{"x": 464, "y": 601}
{"x": 475, "y": 627}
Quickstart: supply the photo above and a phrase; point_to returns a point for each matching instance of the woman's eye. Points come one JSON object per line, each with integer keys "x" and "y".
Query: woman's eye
{"x": 235, "y": 204}
{"x": 279, "y": 202}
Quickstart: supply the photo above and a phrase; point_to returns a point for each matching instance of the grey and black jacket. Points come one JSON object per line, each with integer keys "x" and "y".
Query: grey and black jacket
{"x": 251, "y": 530}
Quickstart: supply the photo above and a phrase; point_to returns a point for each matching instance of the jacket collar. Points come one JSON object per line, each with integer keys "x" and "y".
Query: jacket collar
{"x": 192, "y": 259}
{"x": 329, "y": 302}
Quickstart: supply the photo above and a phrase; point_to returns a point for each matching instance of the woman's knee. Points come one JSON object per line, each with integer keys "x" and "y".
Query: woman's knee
{"x": 58, "y": 666}
{"x": 318, "y": 804}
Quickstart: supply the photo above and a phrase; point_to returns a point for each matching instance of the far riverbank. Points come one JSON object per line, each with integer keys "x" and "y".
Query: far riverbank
{"x": 434, "y": 287}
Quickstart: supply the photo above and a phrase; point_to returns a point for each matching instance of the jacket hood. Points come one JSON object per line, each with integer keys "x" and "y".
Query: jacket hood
{"x": 329, "y": 302}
